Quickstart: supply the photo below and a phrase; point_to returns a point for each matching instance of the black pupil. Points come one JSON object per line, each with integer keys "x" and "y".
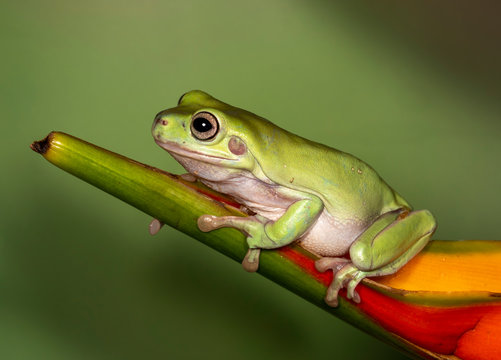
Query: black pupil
{"x": 202, "y": 125}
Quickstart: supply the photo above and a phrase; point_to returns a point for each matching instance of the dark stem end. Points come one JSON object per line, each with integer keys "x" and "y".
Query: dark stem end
{"x": 42, "y": 146}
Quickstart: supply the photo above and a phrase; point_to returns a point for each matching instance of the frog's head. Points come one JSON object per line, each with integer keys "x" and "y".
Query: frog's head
{"x": 209, "y": 138}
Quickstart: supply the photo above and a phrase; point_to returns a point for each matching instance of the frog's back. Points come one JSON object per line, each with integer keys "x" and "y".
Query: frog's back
{"x": 347, "y": 185}
{"x": 356, "y": 188}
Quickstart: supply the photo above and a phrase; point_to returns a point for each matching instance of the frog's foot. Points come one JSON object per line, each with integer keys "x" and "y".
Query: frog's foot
{"x": 252, "y": 226}
{"x": 207, "y": 223}
{"x": 345, "y": 275}
{"x": 155, "y": 226}
{"x": 349, "y": 276}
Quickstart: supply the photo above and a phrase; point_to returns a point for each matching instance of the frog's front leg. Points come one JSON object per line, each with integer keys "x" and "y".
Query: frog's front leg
{"x": 263, "y": 233}
{"x": 382, "y": 249}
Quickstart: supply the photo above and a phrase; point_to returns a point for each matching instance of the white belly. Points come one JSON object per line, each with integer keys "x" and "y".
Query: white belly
{"x": 329, "y": 236}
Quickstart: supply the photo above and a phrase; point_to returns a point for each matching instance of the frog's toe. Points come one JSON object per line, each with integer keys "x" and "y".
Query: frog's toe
{"x": 155, "y": 226}
{"x": 208, "y": 223}
{"x": 343, "y": 276}
{"x": 251, "y": 260}
{"x": 356, "y": 297}
{"x": 331, "y": 296}
{"x": 333, "y": 263}
{"x": 350, "y": 288}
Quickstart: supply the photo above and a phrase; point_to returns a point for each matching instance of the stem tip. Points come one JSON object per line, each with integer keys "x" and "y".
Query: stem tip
{"x": 41, "y": 146}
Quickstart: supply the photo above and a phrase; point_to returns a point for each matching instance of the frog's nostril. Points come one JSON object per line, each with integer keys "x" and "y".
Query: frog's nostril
{"x": 164, "y": 122}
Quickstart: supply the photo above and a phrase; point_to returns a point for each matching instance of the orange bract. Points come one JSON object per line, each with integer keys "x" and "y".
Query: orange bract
{"x": 468, "y": 271}
{"x": 451, "y": 266}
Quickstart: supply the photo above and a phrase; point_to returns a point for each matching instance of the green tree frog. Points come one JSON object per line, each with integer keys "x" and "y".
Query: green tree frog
{"x": 330, "y": 202}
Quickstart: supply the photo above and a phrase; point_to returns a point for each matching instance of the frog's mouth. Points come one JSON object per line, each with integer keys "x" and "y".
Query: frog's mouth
{"x": 173, "y": 147}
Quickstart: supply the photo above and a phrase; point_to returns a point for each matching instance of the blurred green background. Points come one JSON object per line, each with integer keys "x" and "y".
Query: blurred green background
{"x": 410, "y": 87}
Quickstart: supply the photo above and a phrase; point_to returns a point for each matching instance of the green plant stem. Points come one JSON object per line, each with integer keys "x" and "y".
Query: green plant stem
{"x": 177, "y": 203}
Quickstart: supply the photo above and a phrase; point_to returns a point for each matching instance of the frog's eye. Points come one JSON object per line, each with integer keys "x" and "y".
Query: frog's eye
{"x": 204, "y": 126}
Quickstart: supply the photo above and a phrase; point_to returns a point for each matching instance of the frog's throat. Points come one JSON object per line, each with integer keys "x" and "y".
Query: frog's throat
{"x": 172, "y": 147}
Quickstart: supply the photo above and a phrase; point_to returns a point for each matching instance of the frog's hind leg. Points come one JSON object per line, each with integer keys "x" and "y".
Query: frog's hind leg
{"x": 387, "y": 245}
{"x": 394, "y": 245}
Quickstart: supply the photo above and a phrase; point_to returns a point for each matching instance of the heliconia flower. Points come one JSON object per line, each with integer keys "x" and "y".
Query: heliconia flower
{"x": 444, "y": 304}
{"x": 446, "y": 300}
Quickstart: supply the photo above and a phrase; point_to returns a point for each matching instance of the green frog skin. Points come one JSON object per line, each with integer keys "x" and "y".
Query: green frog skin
{"x": 330, "y": 202}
